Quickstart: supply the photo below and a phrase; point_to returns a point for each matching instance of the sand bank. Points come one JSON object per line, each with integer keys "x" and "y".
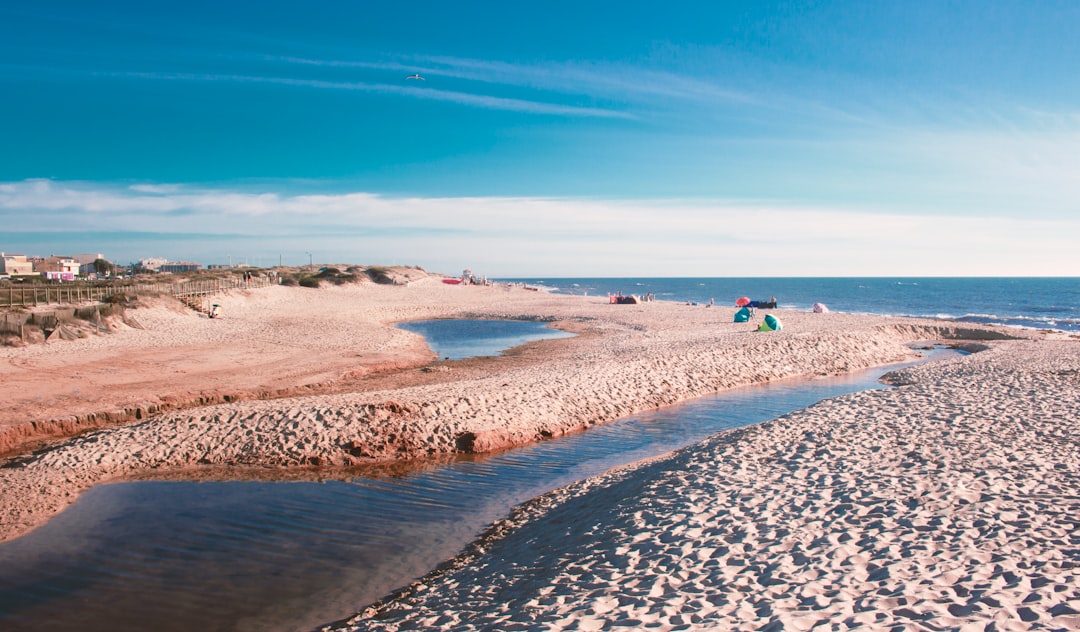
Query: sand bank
{"x": 384, "y": 395}
{"x": 950, "y": 502}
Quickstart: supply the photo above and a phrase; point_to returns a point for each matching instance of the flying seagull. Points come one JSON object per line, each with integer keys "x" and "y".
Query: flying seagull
{"x": 416, "y": 76}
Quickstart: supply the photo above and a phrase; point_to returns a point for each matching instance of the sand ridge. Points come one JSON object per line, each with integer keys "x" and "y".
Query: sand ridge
{"x": 951, "y": 502}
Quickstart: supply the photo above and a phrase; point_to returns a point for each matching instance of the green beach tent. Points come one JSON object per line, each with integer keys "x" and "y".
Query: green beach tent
{"x": 771, "y": 323}
{"x": 743, "y": 315}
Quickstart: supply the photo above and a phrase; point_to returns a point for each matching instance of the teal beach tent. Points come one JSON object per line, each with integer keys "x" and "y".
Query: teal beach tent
{"x": 743, "y": 315}
{"x": 771, "y": 323}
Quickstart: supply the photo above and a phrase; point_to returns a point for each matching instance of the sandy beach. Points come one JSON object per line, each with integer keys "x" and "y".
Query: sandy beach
{"x": 905, "y": 505}
{"x": 949, "y": 503}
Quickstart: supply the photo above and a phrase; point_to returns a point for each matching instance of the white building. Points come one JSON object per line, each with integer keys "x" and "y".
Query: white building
{"x": 152, "y": 263}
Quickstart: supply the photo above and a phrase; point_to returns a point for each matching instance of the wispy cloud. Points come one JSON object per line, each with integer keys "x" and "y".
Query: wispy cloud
{"x": 701, "y": 85}
{"x": 434, "y": 94}
{"x": 610, "y": 80}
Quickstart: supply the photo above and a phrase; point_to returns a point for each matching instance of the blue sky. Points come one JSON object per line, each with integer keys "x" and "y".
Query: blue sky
{"x": 548, "y": 139}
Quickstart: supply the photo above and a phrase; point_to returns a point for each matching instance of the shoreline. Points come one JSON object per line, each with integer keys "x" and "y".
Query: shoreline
{"x": 628, "y": 359}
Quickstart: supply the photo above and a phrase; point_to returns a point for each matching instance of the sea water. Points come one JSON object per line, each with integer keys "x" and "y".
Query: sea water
{"x": 1036, "y": 302}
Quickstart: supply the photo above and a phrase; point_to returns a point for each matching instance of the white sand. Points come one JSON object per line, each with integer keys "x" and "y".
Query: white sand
{"x": 951, "y": 502}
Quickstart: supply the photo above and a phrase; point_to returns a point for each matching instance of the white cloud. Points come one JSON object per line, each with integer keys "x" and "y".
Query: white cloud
{"x": 552, "y": 236}
{"x": 163, "y": 189}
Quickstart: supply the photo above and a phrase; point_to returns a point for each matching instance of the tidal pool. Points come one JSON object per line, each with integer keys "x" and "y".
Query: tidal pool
{"x": 457, "y": 339}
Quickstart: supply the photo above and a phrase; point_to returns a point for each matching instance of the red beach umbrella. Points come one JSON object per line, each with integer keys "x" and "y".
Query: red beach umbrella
{"x": 742, "y": 301}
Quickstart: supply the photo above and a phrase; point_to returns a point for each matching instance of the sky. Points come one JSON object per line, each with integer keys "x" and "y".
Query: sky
{"x": 551, "y": 139}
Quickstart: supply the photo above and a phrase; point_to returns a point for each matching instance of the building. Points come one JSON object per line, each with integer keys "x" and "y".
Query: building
{"x": 152, "y": 263}
{"x": 55, "y": 263}
{"x": 58, "y": 268}
{"x": 12, "y": 265}
{"x": 86, "y": 262}
{"x": 87, "y": 258}
{"x": 179, "y": 266}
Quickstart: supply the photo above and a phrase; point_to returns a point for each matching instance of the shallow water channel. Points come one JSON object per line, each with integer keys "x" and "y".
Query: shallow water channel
{"x": 291, "y": 555}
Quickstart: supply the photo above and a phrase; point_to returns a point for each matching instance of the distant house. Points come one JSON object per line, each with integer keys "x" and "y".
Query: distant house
{"x": 179, "y": 266}
{"x": 12, "y": 265}
{"x": 57, "y": 264}
{"x": 58, "y": 268}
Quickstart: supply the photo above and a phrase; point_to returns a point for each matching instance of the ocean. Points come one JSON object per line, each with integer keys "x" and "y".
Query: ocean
{"x": 1034, "y": 302}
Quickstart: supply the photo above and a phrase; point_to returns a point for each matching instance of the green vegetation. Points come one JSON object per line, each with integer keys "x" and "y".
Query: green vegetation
{"x": 380, "y": 274}
{"x": 104, "y": 267}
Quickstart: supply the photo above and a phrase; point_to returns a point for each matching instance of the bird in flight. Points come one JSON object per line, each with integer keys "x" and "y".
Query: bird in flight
{"x": 416, "y": 76}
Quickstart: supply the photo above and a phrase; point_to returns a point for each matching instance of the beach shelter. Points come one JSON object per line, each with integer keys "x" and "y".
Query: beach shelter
{"x": 820, "y": 308}
{"x": 771, "y": 323}
{"x": 742, "y": 301}
{"x": 743, "y": 315}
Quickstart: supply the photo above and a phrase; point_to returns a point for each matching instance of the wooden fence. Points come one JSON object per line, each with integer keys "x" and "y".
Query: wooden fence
{"x": 12, "y": 324}
{"x": 73, "y": 293}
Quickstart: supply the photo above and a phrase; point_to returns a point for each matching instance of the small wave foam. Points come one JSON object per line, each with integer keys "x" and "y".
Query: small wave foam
{"x": 1030, "y": 322}
{"x": 543, "y": 288}
{"x": 1034, "y": 322}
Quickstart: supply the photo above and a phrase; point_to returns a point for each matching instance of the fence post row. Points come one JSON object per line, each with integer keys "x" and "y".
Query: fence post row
{"x": 22, "y": 296}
